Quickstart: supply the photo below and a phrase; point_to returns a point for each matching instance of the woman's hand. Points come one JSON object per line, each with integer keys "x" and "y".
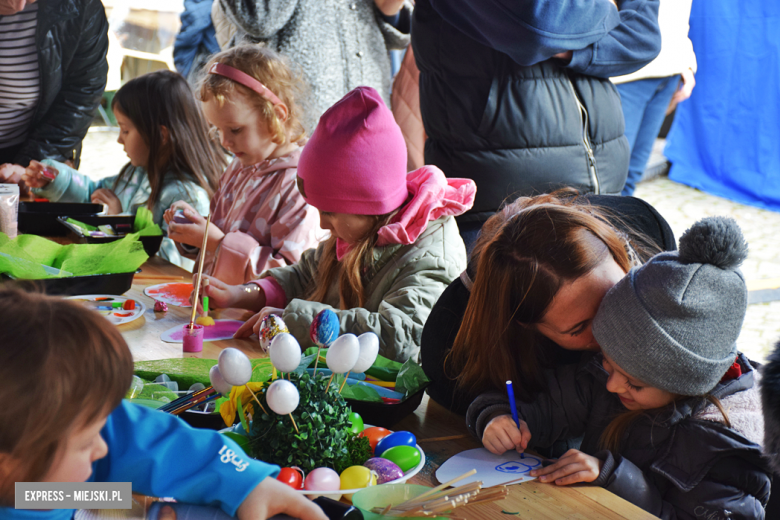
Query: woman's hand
{"x": 11, "y": 173}
{"x": 573, "y": 467}
{"x": 684, "y": 92}
{"x": 109, "y": 198}
{"x": 252, "y": 325}
{"x": 389, "y": 7}
{"x": 271, "y": 497}
{"x": 33, "y": 176}
{"x": 192, "y": 233}
{"x": 501, "y": 435}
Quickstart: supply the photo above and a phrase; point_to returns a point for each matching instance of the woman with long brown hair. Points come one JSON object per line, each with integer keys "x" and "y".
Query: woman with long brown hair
{"x": 540, "y": 269}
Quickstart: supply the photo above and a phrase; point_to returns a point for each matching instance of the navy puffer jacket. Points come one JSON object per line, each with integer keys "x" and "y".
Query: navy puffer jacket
{"x": 519, "y": 128}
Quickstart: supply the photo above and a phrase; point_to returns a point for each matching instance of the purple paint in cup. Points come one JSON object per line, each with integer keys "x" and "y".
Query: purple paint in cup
{"x": 193, "y": 339}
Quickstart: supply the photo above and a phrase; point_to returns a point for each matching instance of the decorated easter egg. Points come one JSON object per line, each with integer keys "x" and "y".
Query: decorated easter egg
{"x": 234, "y": 366}
{"x": 385, "y": 470}
{"x": 356, "y": 423}
{"x": 343, "y": 354}
{"x": 356, "y": 477}
{"x": 405, "y": 457}
{"x": 270, "y": 326}
{"x": 324, "y": 328}
{"x": 369, "y": 348}
{"x": 322, "y": 479}
{"x": 375, "y": 434}
{"x": 285, "y": 352}
{"x": 394, "y": 439}
{"x": 282, "y": 396}
{"x": 293, "y": 477}
{"x": 218, "y": 382}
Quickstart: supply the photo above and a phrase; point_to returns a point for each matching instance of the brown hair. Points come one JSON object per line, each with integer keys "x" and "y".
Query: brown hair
{"x": 164, "y": 98}
{"x": 62, "y": 366}
{"x": 612, "y": 437}
{"x": 273, "y": 71}
{"x": 525, "y": 254}
{"x": 351, "y": 270}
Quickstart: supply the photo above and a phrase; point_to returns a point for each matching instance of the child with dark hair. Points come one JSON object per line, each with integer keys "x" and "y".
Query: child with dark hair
{"x": 65, "y": 370}
{"x": 669, "y": 412}
{"x": 165, "y": 135}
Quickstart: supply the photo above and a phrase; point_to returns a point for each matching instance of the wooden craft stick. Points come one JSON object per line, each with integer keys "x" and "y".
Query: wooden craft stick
{"x": 329, "y": 382}
{"x": 442, "y": 486}
{"x": 200, "y": 271}
{"x": 293, "y": 421}
{"x": 257, "y": 400}
{"x": 344, "y": 382}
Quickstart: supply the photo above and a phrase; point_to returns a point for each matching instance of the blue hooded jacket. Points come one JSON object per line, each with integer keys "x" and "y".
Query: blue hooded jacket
{"x": 196, "y": 30}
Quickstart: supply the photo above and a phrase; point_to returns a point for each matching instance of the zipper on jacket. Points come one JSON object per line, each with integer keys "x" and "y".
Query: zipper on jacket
{"x": 586, "y": 139}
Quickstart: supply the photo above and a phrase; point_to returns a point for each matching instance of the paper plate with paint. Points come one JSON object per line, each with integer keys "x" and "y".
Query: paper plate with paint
{"x": 222, "y": 329}
{"x": 116, "y": 309}
{"x": 491, "y": 469}
{"x": 177, "y": 294}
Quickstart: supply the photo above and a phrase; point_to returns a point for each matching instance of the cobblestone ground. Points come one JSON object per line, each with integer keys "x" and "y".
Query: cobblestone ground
{"x": 679, "y": 204}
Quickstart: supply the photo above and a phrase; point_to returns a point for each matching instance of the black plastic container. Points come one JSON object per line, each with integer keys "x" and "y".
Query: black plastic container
{"x": 75, "y": 285}
{"x": 40, "y": 218}
{"x": 386, "y": 415}
{"x": 120, "y": 224}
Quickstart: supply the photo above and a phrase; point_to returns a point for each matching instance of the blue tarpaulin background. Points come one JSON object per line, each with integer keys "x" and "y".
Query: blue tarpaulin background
{"x": 725, "y": 139}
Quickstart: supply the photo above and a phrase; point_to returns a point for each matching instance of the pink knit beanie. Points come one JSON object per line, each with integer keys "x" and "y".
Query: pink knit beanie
{"x": 355, "y": 162}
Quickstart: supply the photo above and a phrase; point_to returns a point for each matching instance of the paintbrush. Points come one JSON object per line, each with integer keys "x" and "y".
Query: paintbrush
{"x": 200, "y": 271}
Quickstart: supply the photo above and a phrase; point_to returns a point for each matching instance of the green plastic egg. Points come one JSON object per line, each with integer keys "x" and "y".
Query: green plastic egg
{"x": 356, "y": 423}
{"x": 405, "y": 457}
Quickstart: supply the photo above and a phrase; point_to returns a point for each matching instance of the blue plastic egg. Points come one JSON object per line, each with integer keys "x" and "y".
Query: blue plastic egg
{"x": 395, "y": 439}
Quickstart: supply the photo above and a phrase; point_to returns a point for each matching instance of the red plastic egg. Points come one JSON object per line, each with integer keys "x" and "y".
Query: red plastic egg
{"x": 293, "y": 477}
{"x": 375, "y": 434}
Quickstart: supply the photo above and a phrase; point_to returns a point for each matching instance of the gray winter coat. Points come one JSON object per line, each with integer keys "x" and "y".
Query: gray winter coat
{"x": 681, "y": 462}
{"x": 338, "y": 44}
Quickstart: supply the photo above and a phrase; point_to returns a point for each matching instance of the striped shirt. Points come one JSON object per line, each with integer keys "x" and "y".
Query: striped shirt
{"x": 19, "y": 75}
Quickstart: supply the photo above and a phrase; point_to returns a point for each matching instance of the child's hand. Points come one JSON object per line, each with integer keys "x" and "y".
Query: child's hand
{"x": 271, "y": 497}
{"x": 501, "y": 435}
{"x": 192, "y": 233}
{"x": 108, "y": 198}
{"x": 33, "y": 176}
{"x": 253, "y": 324}
{"x": 684, "y": 92}
{"x": 11, "y": 173}
{"x": 573, "y": 467}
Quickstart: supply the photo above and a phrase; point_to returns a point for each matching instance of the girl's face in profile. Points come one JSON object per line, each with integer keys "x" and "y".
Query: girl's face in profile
{"x": 136, "y": 148}
{"x": 568, "y": 319}
{"x": 83, "y": 446}
{"x": 634, "y": 394}
{"x": 346, "y": 226}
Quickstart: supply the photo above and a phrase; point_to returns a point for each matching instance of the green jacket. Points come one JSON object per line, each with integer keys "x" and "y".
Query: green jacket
{"x": 403, "y": 286}
{"x": 72, "y": 186}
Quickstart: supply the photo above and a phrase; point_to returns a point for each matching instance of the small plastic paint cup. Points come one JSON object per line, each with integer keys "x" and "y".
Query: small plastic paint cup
{"x": 193, "y": 339}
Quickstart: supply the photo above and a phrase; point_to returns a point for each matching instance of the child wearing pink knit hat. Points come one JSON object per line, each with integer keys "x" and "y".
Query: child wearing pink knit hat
{"x": 394, "y": 244}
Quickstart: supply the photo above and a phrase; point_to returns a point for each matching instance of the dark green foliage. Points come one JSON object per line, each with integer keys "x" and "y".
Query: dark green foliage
{"x": 358, "y": 451}
{"x": 323, "y": 423}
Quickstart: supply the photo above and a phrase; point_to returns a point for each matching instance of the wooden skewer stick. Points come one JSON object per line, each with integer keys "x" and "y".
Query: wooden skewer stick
{"x": 329, "y": 382}
{"x": 344, "y": 382}
{"x": 293, "y": 421}
{"x": 317, "y": 360}
{"x": 200, "y": 271}
{"x": 440, "y": 487}
{"x": 257, "y": 400}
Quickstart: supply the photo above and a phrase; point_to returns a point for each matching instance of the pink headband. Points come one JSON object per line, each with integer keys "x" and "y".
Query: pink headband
{"x": 248, "y": 81}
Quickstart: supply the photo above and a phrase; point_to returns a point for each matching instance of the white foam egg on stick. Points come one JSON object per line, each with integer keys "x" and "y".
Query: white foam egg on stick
{"x": 235, "y": 367}
{"x": 285, "y": 352}
{"x": 369, "y": 349}
{"x": 282, "y": 396}
{"x": 343, "y": 354}
{"x": 218, "y": 382}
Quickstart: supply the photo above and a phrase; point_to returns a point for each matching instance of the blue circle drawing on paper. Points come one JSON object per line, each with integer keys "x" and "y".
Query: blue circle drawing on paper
{"x": 519, "y": 466}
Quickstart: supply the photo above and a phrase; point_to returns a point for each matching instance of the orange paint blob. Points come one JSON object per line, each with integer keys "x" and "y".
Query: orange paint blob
{"x": 176, "y": 293}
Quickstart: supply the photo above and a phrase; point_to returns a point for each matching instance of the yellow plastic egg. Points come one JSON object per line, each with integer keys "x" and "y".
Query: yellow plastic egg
{"x": 356, "y": 477}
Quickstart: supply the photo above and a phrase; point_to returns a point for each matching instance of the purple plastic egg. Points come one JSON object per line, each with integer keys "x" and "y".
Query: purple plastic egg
{"x": 385, "y": 470}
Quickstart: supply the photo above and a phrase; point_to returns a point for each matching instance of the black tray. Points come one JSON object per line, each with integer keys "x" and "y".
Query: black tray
{"x": 119, "y": 223}
{"x": 212, "y": 421}
{"x": 40, "y": 218}
{"x": 386, "y": 415}
{"x": 75, "y": 285}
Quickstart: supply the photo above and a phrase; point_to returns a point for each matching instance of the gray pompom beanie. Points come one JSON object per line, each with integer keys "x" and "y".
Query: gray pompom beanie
{"x": 673, "y": 322}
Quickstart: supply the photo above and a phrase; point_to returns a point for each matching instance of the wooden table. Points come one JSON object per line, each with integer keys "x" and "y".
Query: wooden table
{"x": 440, "y": 432}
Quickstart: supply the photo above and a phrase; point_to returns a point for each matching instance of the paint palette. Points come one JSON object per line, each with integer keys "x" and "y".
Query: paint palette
{"x": 177, "y": 294}
{"x": 104, "y": 304}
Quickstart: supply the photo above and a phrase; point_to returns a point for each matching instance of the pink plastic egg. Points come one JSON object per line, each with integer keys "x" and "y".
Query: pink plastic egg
{"x": 322, "y": 479}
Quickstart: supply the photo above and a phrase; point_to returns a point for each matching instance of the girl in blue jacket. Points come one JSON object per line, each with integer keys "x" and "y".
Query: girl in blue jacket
{"x": 669, "y": 412}
{"x": 64, "y": 370}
